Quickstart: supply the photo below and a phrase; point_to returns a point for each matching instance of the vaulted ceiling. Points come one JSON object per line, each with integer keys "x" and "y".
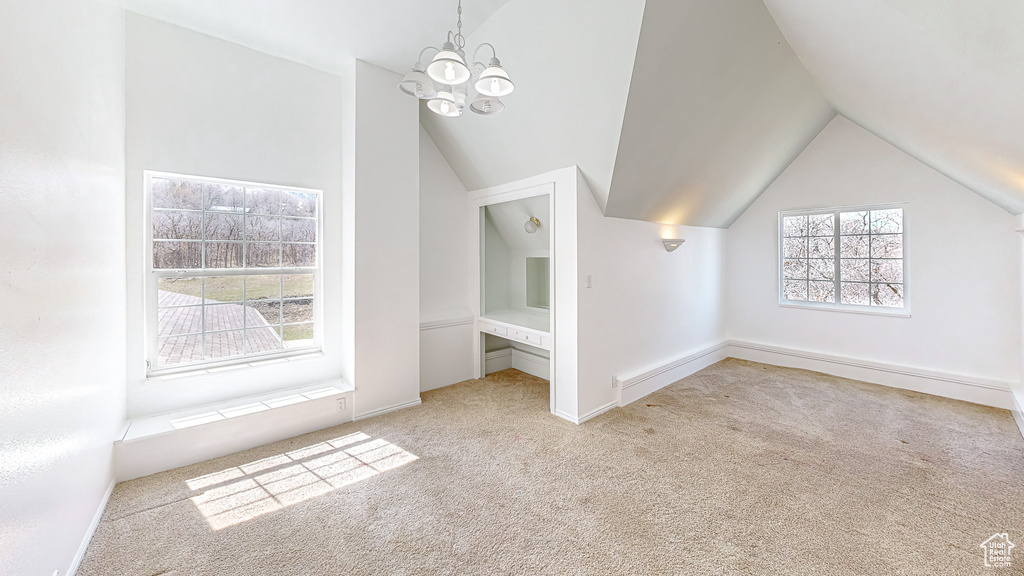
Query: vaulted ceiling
{"x": 572, "y": 63}
{"x": 325, "y": 34}
{"x": 724, "y": 94}
{"x": 719, "y": 105}
{"x": 683, "y": 111}
{"x": 943, "y": 80}
{"x": 675, "y": 112}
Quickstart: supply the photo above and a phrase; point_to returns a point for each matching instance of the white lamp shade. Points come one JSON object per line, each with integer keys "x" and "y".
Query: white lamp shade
{"x": 448, "y": 68}
{"x": 494, "y": 82}
{"x": 486, "y": 105}
{"x": 444, "y": 104}
{"x": 418, "y": 84}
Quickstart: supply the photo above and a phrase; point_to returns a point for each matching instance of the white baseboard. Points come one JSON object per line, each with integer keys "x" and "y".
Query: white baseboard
{"x": 387, "y": 409}
{"x": 77, "y": 560}
{"x": 522, "y": 360}
{"x": 565, "y": 416}
{"x": 598, "y": 411}
{"x": 1018, "y": 411}
{"x": 589, "y": 415}
{"x": 959, "y": 387}
{"x": 532, "y": 364}
{"x": 631, "y": 387}
{"x": 497, "y": 360}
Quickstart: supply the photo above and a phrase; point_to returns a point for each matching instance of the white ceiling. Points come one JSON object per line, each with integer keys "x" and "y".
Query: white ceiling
{"x": 942, "y": 80}
{"x": 325, "y": 34}
{"x": 719, "y": 105}
{"x": 698, "y": 112}
{"x": 571, "y": 61}
{"x": 509, "y": 219}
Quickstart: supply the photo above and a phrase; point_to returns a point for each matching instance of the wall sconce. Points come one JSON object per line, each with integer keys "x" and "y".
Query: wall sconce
{"x": 672, "y": 243}
{"x": 531, "y": 225}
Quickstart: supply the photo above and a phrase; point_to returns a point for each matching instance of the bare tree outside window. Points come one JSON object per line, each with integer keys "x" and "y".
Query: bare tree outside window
{"x": 843, "y": 257}
{"x": 234, "y": 269}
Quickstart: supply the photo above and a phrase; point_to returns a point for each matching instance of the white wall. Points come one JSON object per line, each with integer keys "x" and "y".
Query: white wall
{"x": 964, "y": 265}
{"x": 199, "y": 105}
{"x": 446, "y": 325}
{"x": 381, "y": 216}
{"x": 444, "y": 289}
{"x": 62, "y": 340}
{"x": 645, "y": 306}
{"x": 1018, "y": 387}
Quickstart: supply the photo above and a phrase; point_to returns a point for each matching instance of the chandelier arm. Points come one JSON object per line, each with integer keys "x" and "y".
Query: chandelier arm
{"x": 419, "y": 59}
{"x": 475, "y": 72}
{"x": 456, "y": 40}
{"x": 494, "y": 52}
{"x": 450, "y": 102}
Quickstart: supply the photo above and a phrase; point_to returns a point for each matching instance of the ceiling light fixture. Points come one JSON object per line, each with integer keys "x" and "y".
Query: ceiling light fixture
{"x": 444, "y": 82}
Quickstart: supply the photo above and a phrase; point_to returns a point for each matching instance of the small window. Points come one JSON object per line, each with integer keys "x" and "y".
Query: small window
{"x": 233, "y": 271}
{"x": 848, "y": 258}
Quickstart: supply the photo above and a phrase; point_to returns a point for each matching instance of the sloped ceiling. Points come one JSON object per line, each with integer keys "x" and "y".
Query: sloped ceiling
{"x": 942, "y": 80}
{"x": 571, "y": 61}
{"x": 509, "y": 219}
{"x": 683, "y": 111}
{"x": 325, "y": 34}
{"x": 719, "y": 105}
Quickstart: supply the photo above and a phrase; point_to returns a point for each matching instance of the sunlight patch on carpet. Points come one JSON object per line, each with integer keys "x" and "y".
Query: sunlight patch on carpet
{"x": 241, "y": 493}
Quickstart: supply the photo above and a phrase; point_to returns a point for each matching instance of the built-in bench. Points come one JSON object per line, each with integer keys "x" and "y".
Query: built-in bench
{"x": 156, "y": 443}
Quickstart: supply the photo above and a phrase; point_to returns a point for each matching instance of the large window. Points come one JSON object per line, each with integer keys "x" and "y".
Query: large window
{"x": 849, "y": 258}
{"x": 233, "y": 271}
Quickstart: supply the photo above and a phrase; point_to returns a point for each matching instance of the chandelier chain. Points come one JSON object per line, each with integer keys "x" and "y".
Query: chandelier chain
{"x": 460, "y": 40}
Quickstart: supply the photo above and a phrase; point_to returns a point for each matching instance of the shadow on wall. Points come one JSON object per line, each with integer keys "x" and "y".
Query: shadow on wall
{"x": 241, "y": 493}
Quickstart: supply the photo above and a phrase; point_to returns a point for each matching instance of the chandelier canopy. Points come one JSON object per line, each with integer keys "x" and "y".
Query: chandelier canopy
{"x": 445, "y": 82}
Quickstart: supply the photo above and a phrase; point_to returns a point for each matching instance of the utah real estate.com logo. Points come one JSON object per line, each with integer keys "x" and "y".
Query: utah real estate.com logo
{"x": 997, "y": 551}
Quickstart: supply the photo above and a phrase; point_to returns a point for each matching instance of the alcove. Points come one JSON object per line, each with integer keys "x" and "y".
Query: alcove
{"x": 517, "y": 261}
{"x": 516, "y": 291}
{"x": 507, "y": 281}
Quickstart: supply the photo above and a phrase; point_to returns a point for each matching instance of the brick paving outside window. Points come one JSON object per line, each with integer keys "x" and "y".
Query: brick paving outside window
{"x": 181, "y": 322}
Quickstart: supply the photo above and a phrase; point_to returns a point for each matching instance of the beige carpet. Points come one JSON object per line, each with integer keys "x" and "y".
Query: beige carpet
{"x": 742, "y": 468}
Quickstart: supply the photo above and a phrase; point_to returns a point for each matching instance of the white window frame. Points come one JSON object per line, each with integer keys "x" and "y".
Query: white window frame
{"x": 903, "y": 312}
{"x": 153, "y": 370}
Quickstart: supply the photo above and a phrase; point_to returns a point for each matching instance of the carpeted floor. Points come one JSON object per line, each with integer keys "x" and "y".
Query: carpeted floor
{"x": 742, "y": 468}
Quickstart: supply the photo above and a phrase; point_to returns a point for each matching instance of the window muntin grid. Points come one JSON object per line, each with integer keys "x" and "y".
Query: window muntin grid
{"x": 850, "y": 257}
{"x": 234, "y": 271}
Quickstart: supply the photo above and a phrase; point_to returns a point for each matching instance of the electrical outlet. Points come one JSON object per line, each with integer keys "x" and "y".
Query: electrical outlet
{"x": 615, "y": 382}
{"x": 589, "y": 284}
{"x": 341, "y": 404}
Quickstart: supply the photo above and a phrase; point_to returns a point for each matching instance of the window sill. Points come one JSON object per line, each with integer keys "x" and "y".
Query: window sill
{"x": 892, "y": 313}
{"x": 148, "y": 426}
{"x": 252, "y": 362}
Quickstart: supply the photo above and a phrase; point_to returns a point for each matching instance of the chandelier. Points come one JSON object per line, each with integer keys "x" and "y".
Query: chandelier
{"x": 445, "y": 83}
